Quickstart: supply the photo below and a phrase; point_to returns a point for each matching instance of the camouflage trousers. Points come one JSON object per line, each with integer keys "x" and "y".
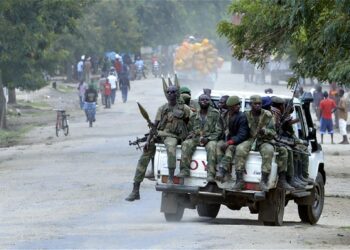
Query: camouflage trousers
{"x": 242, "y": 151}
{"x": 187, "y": 150}
{"x": 224, "y": 158}
{"x": 170, "y": 145}
{"x": 281, "y": 159}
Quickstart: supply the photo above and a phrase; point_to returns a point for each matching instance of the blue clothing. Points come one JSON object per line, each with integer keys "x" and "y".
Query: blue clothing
{"x": 326, "y": 125}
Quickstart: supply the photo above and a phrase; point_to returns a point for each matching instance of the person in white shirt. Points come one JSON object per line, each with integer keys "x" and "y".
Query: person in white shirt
{"x": 113, "y": 81}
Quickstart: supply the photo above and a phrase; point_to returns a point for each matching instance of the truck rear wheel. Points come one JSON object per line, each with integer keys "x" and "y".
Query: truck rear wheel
{"x": 208, "y": 210}
{"x": 312, "y": 213}
{"x": 171, "y": 207}
{"x": 271, "y": 210}
{"x": 170, "y": 217}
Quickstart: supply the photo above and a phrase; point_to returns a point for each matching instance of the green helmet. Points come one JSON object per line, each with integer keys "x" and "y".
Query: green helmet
{"x": 255, "y": 98}
{"x": 185, "y": 90}
{"x": 232, "y": 100}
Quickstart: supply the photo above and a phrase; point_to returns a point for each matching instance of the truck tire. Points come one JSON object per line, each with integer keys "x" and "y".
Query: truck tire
{"x": 170, "y": 217}
{"x": 208, "y": 210}
{"x": 271, "y": 210}
{"x": 312, "y": 213}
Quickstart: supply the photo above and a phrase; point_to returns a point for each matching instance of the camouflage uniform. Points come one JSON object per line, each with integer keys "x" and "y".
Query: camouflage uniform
{"x": 208, "y": 128}
{"x": 256, "y": 142}
{"x": 172, "y": 129}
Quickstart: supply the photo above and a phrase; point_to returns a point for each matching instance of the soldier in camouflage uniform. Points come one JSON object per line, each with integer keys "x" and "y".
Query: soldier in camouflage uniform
{"x": 204, "y": 131}
{"x": 262, "y": 132}
{"x": 277, "y": 110}
{"x": 236, "y": 131}
{"x": 171, "y": 123}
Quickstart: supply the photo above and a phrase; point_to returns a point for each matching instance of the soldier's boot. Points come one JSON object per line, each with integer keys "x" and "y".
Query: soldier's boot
{"x": 171, "y": 176}
{"x": 297, "y": 169}
{"x": 239, "y": 185}
{"x": 306, "y": 177}
{"x": 150, "y": 173}
{"x": 263, "y": 181}
{"x": 135, "y": 193}
{"x": 282, "y": 182}
{"x": 220, "y": 174}
{"x": 293, "y": 183}
{"x": 210, "y": 177}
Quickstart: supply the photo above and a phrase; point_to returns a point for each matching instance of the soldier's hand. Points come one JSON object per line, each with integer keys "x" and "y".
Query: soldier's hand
{"x": 224, "y": 146}
{"x": 262, "y": 131}
{"x": 204, "y": 141}
{"x": 146, "y": 147}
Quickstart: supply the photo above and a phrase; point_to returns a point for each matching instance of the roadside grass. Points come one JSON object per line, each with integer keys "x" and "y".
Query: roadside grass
{"x": 63, "y": 88}
{"x": 42, "y": 105}
{"x": 12, "y": 137}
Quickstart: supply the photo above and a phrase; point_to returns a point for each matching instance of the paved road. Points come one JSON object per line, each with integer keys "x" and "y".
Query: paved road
{"x": 68, "y": 192}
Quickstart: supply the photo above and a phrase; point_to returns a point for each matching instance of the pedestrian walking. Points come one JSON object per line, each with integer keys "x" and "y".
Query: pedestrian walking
{"x": 327, "y": 107}
{"x": 107, "y": 94}
{"x": 81, "y": 93}
{"x": 343, "y": 116}
{"x": 80, "y": 68}
{"x": 113, "y": 81}
{"x": 124, "y": 82}
{"x": 87, "y": 70}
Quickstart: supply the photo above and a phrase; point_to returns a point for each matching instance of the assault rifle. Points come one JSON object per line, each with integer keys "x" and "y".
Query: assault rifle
{"x": 137, "y": 142}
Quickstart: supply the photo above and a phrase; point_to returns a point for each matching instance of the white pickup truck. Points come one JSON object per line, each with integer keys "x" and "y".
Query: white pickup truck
{"x": 196, "y": 193}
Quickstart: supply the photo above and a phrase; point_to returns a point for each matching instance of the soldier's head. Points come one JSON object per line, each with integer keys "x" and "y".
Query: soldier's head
{"x": 172, "y": 93}
{"x": 186, "y": 98}
{"x": 278, "y": 103}
{"x": 233, "y": 104}
{"x": 255, "y": 102}
{"x": 204, "y": 101}
{"x": 222, "y": 103}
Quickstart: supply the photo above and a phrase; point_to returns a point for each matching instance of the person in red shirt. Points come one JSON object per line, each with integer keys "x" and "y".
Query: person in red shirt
{"x": 107, "y": 93}
{"x": 327, "y": 107}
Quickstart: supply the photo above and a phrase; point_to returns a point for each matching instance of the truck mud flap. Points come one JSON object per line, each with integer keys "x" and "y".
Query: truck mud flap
{"x": 179, "y": 189}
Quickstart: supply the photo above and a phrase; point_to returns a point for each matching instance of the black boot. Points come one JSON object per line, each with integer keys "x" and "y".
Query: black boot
{"x": 220, "y": 175}
{"x": 293, "y": 183}
{"x": 263, "y": 182}
{"x": 282, "y": 182}
{"x": 135, "y": 193}
{"x": 239, "y": 185}
{"x": 297, "y": 172}
{"x": 171, "y": 176}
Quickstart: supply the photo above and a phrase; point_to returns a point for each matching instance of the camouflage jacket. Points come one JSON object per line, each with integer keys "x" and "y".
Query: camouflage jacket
{"x": 264, "y": 121}
{"x": 173, "y": 120}
{"x": 209, "y": 127}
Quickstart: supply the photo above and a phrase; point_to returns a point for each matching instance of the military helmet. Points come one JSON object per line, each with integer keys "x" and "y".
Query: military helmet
{"x": 276, "y": 99}
{"x": 185, "y": 90}
{"x": 232, "y": 100}
{"x": 255, "y": 98}
{"x": 186, "y": 97}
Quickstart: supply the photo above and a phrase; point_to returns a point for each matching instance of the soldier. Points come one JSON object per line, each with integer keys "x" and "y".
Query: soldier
{"x": 171, "y": 123}
{"x": 262, "y": 131}
{"x": 236, "y": 131}
{"x": 204, "y": 131}
{"x": 277, "y": 110}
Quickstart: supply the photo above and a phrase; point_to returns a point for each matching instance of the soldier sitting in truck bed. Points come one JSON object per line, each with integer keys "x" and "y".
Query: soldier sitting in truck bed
{"x": 262, "y": 132}
{"x": 236, "y": 130}
{"x": 204, "y": 131}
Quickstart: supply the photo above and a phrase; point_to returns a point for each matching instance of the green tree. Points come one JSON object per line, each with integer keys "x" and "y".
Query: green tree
{"x": 317, "y": 31}
{"x": 28, "y": 29}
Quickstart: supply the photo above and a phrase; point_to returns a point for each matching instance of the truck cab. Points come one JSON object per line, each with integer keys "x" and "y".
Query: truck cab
{"x": 196, "y": 193}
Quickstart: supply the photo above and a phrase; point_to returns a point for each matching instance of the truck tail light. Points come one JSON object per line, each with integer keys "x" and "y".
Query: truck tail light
{"x": 165, "y": 179}
{"x": 252, "y": 186}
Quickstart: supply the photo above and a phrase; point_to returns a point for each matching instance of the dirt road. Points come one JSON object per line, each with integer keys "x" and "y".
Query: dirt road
{"x": 68, "y": 192}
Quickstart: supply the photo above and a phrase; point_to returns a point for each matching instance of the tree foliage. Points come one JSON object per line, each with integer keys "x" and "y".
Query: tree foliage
{"x": 317, "y": 31}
